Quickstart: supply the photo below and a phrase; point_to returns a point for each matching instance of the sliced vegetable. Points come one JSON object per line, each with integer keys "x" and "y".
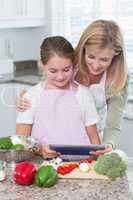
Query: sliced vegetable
{"x": 86, "y": 161}
{"x": 84, "y": 167}
{"x": 18, "y": 147}
{"x": 67, "y": 168}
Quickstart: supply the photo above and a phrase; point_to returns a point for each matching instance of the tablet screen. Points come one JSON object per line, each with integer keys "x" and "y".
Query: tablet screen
{"x": 76, "y": 150}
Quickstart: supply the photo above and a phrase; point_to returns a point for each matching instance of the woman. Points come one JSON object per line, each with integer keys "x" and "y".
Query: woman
{"x": 100, "y": 59}
{"x": 100, "y": 62}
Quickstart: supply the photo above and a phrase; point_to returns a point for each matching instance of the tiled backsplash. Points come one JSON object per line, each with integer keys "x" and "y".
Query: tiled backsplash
{"x": 28, "y": 67}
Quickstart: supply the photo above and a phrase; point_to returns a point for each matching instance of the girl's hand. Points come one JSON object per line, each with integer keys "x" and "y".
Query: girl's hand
{"x": 47, "y": 152}
{"x": 107, "y": 149}
{"x": 22, "y": 104}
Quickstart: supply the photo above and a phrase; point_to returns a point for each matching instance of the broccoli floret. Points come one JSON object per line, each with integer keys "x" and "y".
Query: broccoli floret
{"x": 113, "y": 173}
{"x": 110, "y": 165}
{"x": 122, "y": 167}
{"x": 101, "y": 165}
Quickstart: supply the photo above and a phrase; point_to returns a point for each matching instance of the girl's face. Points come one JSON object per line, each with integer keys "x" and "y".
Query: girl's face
{"x": 59, "y": 71}
{"x": 98, "y": 60}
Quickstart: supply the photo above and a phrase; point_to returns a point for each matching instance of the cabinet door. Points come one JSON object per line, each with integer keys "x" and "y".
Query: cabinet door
{"x": 21, "y": 13}
{"x": 7, "y": 9}
{"x": 35, "y": 9}
{"x": 8, "y": 95}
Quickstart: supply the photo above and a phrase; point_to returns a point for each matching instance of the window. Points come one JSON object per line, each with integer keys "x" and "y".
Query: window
{"x": 70, "y": 17}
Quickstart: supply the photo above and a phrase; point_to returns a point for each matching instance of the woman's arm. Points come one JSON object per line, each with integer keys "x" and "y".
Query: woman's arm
{"x": 22, "y": 103}
{"x": 28, "y": 99}
{"x": 115, "y": 108}
{"x": 93, "y": 134}
{"x": 23, "y": 129}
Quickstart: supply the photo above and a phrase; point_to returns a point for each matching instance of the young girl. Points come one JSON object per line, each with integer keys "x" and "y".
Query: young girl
{"x": 62, "y": 111}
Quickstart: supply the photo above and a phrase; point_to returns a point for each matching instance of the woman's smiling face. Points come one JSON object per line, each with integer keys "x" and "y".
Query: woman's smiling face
{"x": 98, "y": 59}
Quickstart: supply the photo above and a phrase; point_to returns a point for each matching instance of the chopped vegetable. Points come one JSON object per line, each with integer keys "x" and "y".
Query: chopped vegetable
{"x": 18, "y": 147}
{"x": 55, "y": 162}
{"x": 89, "y": 161}
{"x": 67, "y": 168}
{"x": 84, "y": 167}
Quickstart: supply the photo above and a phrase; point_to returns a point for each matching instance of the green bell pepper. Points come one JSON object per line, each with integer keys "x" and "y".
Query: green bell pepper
{"x": 46, "y": 176}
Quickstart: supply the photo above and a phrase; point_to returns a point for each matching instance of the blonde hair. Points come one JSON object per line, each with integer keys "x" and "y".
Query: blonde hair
{"x": 102, "y": 34}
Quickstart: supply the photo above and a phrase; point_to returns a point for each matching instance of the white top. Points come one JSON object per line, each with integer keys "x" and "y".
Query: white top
{"x": 84, "y": 98}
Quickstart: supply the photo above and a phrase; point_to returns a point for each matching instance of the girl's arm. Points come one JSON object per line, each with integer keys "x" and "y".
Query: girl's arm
{"x": 93, "y": 134}
{"x": 23, "y": 129}
{"x": 22, "y": 103}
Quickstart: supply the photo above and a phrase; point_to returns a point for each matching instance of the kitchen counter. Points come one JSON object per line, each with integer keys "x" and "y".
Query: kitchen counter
{"x": 23, "y": 78}
{"x": 68, "y": 189}
{"x": 25, "y": 72}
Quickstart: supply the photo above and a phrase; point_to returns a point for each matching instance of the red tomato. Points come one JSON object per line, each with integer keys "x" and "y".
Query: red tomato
{"x": 74, "y": 165}
{"x": 86, "y": 161}
{"x": 65, "y": 169}
{"x": 90, "y": 161}
{"x": 83, "y": 161}
{"x": 71, "y": 167}
{"x": 61, "y": 170}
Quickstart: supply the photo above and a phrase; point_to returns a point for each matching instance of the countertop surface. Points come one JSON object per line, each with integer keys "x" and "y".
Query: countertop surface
{"x": 68, "y": 189}
{"x": 30, "y": 79}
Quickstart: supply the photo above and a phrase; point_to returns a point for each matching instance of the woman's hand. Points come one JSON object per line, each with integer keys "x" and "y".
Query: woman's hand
{"x": 108, "y": 148}
{"x": 22, "y": 104}
{"x": 47, "y": 152}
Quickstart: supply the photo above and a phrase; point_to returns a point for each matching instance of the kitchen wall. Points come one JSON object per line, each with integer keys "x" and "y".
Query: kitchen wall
{"x": 19, "y": 44}
{"x": 126, "y": 140}
{"x": 23, "y": 43}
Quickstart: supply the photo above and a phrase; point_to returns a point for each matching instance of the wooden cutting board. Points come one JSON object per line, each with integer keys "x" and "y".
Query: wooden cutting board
{"x": 77, "y": 174}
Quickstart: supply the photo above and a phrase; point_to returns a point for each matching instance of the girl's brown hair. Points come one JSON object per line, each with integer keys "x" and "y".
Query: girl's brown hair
{"x": 56, "y": 45}
{"x": 102, "y": 34}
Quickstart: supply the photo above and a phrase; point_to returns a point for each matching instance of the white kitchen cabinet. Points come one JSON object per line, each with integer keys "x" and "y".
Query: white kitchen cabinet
{"x": 22, "y": 13}
{"x": 8, "y": 94}
{"x": 6, "y": 66}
